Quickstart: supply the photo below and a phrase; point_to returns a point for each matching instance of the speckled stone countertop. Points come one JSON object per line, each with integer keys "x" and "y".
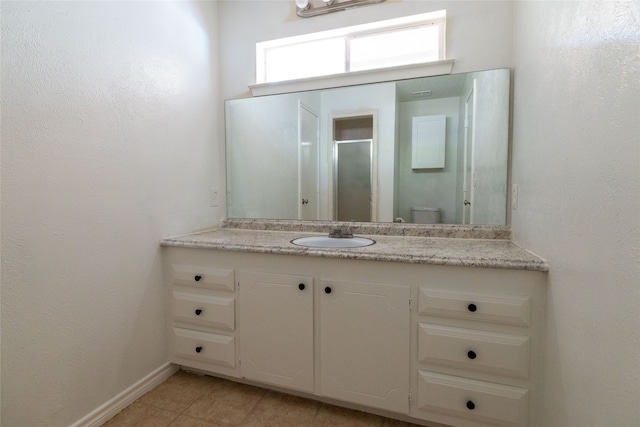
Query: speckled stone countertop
{"x": 456, "y": 231}
{"x": 488, "y": 253}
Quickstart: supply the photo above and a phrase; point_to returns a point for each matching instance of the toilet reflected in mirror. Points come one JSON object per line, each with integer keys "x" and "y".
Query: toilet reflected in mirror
{"x": 422, "y": 215}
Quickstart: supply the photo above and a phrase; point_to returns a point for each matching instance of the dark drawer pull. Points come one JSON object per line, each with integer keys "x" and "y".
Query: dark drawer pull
{"x": 327, "y": 290}
{"x": 301, "y": 286}
{"x": 198, "y": 349}
{"x": 197, "y": 277}
{"x": 471, "y": 354}
{"x": 198, "y": 312}
{"x": 472, "y": 308}
{"x": 470, "y": 405}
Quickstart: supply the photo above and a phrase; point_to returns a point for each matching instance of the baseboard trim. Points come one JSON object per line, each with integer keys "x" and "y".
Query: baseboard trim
{"x": 110, "y": 408}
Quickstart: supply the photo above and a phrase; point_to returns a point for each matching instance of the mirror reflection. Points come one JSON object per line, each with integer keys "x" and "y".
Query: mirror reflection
{"x": 427, "y": 150}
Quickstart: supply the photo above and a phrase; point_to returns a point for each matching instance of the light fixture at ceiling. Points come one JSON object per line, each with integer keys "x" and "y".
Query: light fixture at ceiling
{"x": 309, "y": 8}
{"x": 302, "y": 4}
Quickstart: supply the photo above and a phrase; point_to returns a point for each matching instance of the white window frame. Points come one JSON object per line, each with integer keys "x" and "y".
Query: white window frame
{"x": 398, "y": 28}
{"x": 348, "y": 33}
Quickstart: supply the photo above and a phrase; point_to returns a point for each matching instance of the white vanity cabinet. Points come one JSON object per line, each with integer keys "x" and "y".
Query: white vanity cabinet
{"x": 453, "y": 345}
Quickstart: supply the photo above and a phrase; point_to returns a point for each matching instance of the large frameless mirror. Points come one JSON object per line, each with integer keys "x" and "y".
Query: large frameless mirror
{"x": 425, "y": 150}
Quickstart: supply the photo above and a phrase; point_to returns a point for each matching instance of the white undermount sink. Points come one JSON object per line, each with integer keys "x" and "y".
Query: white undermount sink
{"x": 332, "y": 242}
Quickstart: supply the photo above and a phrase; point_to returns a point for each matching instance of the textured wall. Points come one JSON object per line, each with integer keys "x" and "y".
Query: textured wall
{"x": 109, "y": 130}
{"x": 576, "y": 160}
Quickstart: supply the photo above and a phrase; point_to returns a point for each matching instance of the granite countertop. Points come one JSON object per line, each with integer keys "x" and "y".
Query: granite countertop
{"x": 488, "y": 253}
{"x": 378, "y": 228}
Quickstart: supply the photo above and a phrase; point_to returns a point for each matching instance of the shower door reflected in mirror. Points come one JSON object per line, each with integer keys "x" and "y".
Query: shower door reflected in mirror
{"x": 308, "y": 174}
{"x": 353, "y": 153}
{"x": 353, "y": 180}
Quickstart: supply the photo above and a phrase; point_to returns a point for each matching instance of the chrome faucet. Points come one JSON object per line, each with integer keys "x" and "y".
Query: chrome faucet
{"x": 341, "y": 233}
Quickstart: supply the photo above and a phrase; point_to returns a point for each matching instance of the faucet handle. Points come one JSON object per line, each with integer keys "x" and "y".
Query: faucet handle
{"x": 341, "y": 232}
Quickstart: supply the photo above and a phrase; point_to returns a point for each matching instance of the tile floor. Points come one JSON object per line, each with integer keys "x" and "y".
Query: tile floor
{"x": 189, "y": 400}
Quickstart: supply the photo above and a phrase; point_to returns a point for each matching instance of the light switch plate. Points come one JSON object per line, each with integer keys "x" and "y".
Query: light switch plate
{"x": 213, "y": 197}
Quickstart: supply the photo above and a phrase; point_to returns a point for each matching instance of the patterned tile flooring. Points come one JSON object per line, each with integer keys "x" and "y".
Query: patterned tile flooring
{"x": 189, "y": 400}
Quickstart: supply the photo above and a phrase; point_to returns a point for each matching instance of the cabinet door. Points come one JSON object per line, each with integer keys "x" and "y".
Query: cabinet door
{"x": 276, "y": 329}
{"x": 428, "y": 142}
{"x": 364, "y": 344}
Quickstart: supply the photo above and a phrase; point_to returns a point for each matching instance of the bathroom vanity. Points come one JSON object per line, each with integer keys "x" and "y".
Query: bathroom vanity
{"x": 422, "y": 329}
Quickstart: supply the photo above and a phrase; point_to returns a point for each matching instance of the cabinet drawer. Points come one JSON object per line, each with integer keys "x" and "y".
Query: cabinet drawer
{"x": 481, "y": 351}
{"x": 205, "y": 310}
{"x": 511, "y": 310}
{"x": 476, "y": 403}
{"x": 204, "y": 347}
{"x": 203, "y": 277}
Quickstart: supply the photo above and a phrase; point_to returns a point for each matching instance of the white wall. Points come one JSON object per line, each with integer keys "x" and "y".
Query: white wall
{"x": 576, "y": 160}
{"x": 109, "y": 131}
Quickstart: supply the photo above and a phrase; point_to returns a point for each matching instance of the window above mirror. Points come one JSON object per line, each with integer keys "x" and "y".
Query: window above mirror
{"x": 417, "y": 39}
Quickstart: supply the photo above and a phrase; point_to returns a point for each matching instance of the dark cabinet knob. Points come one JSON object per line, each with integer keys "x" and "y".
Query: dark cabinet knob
{"x": 301, "y": 286}
{"x": 198, "y": 312}
{"x": 327, "y": 290}
{"x": 472, "y": 308}
{"x": 197, "y": 277}
{"x": 470, "y": 405}
{"x": 199, "y": 349}
{"x": 471, "y": 354}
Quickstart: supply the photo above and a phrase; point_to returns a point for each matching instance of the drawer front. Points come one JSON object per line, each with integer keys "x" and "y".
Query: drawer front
{"x": 476, "y": 402}
{"x": 204, "y": 310}
{"x": 222, "y": 279}
{"x": 205, "y": 347}
{"x": 481, "y": 351}
{"x": 512, "y": 310}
